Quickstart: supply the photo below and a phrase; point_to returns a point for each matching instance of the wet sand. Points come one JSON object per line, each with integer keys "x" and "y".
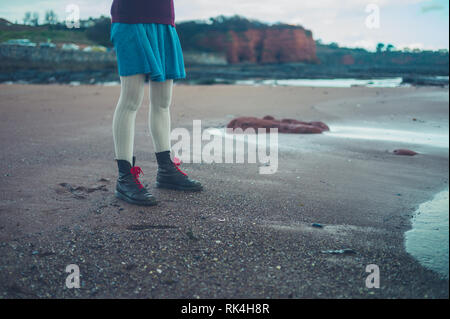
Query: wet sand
{"x": 247, "y": 235}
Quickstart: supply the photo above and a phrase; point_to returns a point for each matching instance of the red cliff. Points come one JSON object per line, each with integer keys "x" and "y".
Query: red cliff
{"x": 269, "y": 45}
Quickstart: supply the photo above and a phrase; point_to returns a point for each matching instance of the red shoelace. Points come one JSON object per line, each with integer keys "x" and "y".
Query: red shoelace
{"x": 136, "y": 171}
{"x": 177, "y": 163}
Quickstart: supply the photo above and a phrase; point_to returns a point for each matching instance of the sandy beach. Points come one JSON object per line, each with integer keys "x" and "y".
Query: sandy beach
{"x": 246, "y": 235}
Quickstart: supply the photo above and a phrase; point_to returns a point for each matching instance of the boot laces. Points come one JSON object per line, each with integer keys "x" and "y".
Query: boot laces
{"x": 136, "y": 171}
{"x": 177, "y": 163}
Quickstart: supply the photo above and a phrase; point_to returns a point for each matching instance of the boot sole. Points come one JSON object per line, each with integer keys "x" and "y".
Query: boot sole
{"x": 178, "y": 187}
{"x": 135, "y": 202}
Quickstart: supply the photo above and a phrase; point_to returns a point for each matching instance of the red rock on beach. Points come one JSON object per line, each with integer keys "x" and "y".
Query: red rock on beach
{"x": 321, "y": 125}
{"x": 404, "y": 152}
{"x": 283, "y": 126}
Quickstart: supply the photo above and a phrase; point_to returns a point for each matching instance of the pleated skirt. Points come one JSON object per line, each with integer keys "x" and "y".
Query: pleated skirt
{"x": 153, "y": 49}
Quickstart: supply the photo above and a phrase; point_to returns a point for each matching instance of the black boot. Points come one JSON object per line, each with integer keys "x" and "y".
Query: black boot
{"x": 129, "y": 188}
{"x": 170, "y": 175}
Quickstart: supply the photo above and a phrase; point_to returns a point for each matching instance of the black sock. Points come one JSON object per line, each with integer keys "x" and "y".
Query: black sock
{"x": 163, "y": 157}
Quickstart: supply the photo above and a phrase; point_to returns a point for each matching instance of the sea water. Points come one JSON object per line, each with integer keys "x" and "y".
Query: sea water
{"x": 427, "y": 241}
{"x": 392, "y": 135}
{"x": 338, "y": 83}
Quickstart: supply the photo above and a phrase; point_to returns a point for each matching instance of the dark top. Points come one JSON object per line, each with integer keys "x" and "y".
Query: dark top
{"x": 143, "y": 11}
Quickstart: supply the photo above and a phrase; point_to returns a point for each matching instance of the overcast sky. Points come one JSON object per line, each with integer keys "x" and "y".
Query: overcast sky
{"x": 405, "y": 23}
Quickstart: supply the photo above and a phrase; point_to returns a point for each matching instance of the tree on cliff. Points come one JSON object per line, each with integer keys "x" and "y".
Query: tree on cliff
{"x": 35, "y": 19}
{"x": 50, "y": 17}
{"x": 389, "y": 48}
{"x": 27, "y": 18}
{"x": 31, "y": 18}
{"x": 236, "y": 23}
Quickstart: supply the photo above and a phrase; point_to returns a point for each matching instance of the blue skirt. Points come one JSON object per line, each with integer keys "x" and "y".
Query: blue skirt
{"x": 148, "y": 48}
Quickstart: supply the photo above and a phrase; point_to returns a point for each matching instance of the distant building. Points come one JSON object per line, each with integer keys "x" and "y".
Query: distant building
{"x": 70, "y": 47}
{"x": 95, "y": 48}
{"x": 87, "y": 23}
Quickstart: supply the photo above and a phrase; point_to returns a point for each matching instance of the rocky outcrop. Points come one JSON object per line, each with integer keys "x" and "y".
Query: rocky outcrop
{"x": 54, "y": 55}
{"x": 283, "y": 126}
{"x": 16, "y": 56}
{"x": 265, "y": 45}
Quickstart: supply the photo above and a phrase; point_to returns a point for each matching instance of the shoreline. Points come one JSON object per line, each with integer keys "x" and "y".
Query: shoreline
{"x": 376, "y": 82}
{"x": 96, "y": 73}
{"x": 426, "y": 240}
{"x": 246, "y": 235}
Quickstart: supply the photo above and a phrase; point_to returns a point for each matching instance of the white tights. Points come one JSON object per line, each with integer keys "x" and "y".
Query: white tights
{"x": 131, "y": 96}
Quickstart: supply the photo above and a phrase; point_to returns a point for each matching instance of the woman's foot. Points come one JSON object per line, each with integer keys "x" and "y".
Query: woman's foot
{"x": 129, "y": 188}
{"x": 170, "y": 176}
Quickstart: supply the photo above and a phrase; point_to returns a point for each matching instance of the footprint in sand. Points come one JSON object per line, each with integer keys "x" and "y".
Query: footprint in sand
{"x": 80, "y": 192}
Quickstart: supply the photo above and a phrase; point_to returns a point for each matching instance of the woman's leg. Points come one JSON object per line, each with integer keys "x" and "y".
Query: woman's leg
{"x": 131, "y": 96}
{"x": 159, "y": 115}
{"x": 169, "y": 175}
{"x": 128, "y": 187}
